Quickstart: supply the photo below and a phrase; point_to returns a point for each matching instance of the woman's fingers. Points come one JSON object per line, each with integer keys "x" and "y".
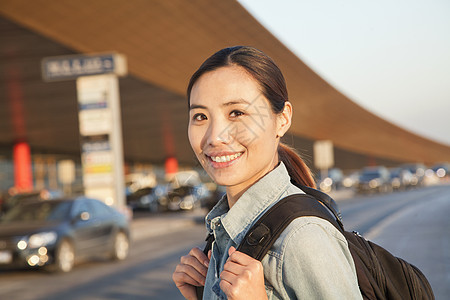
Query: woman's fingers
{"x": 197, "y": 260}
{"x": 186, "y": 274}
{"x": 241, "y": 265}
{"x": 186, "y": 281}
{"x": 242, "y": 277}
{"x": 197, "y": 253}
{"x": 239, "y": 257}
{"x": 191, "y": 272}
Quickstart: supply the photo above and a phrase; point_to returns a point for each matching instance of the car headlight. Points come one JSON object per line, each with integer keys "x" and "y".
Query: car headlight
{"x": 396, "y": 182}
{"x": 374, "y": 183}
{"x": 42, "y": 239}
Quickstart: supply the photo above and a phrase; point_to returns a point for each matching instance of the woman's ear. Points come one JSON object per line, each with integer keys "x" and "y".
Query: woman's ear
{"x": 284, "y": 119}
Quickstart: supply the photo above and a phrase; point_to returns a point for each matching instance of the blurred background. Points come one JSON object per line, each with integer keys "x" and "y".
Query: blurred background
{"x": 368, "y": 82}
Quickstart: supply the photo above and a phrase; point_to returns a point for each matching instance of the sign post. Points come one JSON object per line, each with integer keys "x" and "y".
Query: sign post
{"x": 99, "y": 120}
{"x": 323, "y": 156}
{"x": 66, "y": 174}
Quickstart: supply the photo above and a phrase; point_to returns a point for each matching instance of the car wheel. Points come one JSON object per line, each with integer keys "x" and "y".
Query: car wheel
{"x": 120, "y": 247}
{"x": 64, "y": 257}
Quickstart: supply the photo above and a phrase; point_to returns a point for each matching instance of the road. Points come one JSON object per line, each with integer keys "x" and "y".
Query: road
{"x": 413, "y": 225}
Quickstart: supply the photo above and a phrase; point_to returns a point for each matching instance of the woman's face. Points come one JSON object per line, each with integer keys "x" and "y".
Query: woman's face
{"x": 232, "y": 128}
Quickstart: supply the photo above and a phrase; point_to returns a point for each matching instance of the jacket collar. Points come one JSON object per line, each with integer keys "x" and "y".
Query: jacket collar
{"x": 257, "y": 199}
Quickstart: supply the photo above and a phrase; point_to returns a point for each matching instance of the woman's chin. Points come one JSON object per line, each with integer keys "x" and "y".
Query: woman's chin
{"x": 223, "y": 178}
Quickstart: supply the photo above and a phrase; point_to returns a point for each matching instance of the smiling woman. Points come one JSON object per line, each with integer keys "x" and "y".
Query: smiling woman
{"x": 232, "y": 146}
{"x": 239, "y": 110}
{"x": 249, "y": 91}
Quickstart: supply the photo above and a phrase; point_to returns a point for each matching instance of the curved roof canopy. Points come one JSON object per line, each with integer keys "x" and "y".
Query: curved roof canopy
{"x": 165, "y": 41}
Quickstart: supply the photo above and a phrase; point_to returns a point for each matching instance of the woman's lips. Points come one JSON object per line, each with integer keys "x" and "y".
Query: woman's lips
{"x": 224, "y": 160}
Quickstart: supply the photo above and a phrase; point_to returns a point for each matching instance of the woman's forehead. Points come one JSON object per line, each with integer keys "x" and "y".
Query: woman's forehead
{"x": 226, "y": 84}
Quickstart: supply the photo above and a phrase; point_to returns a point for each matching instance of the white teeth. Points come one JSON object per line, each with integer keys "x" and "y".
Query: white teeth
{"x": 225, "y": 158}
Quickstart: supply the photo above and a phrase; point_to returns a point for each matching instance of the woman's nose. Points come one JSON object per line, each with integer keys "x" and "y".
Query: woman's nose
{"x": 219, "y": 132}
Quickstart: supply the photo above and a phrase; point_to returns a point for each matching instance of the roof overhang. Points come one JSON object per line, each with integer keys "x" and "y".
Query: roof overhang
{"x": 165, "y": 41}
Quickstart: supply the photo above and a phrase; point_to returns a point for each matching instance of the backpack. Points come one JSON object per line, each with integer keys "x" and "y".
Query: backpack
{"x": 380, "y": 274}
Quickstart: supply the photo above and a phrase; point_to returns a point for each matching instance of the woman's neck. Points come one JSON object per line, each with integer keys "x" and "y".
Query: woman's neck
{"x": 233, "y": 194}
{"x": 236, "y": 191}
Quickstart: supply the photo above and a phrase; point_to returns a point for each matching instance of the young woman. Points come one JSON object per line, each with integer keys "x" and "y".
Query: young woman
{"x": 239, "y": 110}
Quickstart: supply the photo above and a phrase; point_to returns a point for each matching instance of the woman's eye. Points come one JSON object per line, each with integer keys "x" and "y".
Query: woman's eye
{"x": 236, "y": 113}
{"x": 199, "y": 117}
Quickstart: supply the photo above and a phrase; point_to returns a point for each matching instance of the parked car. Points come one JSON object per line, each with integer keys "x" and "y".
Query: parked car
{"x": 21, "y": 198}
{"x": 374, "y": 179}
{"x": 351, "y": 180}
{"x": 144, "y": 199}
{"x": 442, "y": 170}
{"x": 185, "y": 192}
{"x": 418, "y": 171}
{"x": 332, "y": 181}
{"x": 56, "y": 234}
{"x": 401, "y": 178}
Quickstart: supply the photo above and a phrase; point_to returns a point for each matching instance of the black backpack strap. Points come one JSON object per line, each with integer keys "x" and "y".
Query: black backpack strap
{"x": 260, "y": 238}
{"x": 325, "y": 200}
{"x": 209, "y": 240}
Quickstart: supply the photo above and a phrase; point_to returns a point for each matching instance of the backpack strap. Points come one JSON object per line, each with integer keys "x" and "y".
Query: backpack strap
{"x": 268, "y": 228}
{"x": 325, "y": 200}
{"x": 260, "y": 238}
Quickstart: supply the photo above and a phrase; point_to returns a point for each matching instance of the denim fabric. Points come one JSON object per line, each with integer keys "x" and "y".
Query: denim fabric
{"x": 310, "y": 260}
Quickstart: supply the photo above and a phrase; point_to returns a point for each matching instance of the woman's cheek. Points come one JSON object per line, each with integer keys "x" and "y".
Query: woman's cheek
{"x": 246, "y": 134}
{"x": 196, "y": 137}
{"x": 192, "y": 135}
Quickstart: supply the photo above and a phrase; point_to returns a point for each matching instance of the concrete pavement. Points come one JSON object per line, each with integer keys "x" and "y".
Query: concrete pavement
{"x": 145, "y": 225}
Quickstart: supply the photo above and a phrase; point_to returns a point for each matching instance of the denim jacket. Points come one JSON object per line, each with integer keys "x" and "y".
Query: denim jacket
{"x": 310, "y": 260}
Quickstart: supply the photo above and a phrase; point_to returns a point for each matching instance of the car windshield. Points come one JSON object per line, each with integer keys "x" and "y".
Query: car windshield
{"x": 369, "y": 175}
{"x": 396, "y": 173}
{"x": 435, "y": 168}
{"x": 39, "y": 211}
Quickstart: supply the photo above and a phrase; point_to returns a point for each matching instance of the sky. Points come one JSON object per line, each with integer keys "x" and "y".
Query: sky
{"x": 392, "y": 57}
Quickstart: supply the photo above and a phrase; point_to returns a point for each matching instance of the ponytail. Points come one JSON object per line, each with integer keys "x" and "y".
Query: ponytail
{"x": 297, "y": 169}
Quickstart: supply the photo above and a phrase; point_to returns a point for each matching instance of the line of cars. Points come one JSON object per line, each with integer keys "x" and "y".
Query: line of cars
{"x": 381, "y": 179}
{"x": 184, "y": 191}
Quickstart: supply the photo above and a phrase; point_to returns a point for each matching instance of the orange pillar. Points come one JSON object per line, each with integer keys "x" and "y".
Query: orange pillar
{"x": 171, "y": 166}
{"x": 23, "y": 176}
{"x": 21, "y": 152}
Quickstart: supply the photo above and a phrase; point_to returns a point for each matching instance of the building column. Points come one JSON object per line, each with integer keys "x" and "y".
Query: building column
{"x": 171, "y": 166}
{"x": 23, "y": 175}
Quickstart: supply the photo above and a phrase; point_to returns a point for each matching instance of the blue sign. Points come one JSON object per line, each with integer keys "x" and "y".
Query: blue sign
{"x": 95, "y": 143}
{"x": 71, "y": 67}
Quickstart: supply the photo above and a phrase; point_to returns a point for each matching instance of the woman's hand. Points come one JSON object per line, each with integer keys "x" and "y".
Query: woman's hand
{"x": 242, "y": 277}
{"x": 191, "y": 272}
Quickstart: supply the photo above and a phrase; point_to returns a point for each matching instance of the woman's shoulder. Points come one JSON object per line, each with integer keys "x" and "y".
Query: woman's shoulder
{"x": 309, "y": 252}
{"x": 303, "y": 225}
{"x": 305, "y": 234}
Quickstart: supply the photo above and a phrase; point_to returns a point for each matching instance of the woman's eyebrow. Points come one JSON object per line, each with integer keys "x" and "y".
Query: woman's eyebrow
{"x": 238, "y": 101}
{"x": 229, "y": 103}
{"x": 194, "y": 106}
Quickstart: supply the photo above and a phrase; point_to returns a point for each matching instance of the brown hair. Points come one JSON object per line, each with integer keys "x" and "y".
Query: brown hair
{"x": 264, "y": 70}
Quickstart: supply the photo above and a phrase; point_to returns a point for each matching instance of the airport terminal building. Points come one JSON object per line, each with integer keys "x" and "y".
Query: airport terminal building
{"x": 164, "y": 42}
